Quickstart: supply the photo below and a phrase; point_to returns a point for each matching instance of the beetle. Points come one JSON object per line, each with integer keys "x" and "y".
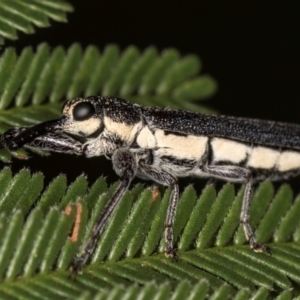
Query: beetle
{"x": 162, "y": 144}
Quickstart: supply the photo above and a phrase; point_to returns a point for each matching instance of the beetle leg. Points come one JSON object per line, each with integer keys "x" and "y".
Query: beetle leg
{"x": 124, "y": 163}
{"x": 52, "y": 141}
{"x": 57, "y": 142}
{"x": 167, "y": 179}
{"x": 235, "y": 173}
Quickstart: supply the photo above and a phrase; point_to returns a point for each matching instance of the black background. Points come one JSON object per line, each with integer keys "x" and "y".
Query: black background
{"x": 252, "y": 51}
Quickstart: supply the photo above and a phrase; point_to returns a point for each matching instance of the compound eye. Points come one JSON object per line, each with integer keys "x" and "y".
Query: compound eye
{"x": 83, "y": 111}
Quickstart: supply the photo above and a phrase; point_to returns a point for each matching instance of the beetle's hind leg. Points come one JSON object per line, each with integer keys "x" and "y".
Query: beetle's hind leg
{"x": 244, "y": 219}
{"x": 236, "y": 173}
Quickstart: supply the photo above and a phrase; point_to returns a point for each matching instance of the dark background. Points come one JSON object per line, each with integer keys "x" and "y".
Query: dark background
{"x": 252, "y": 52}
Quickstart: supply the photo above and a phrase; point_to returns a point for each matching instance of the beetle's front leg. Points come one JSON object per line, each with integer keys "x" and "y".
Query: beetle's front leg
{"x": 167, "y": 179}
{"x": 52, "y": 141}
{"x": 125, "y": 165}
{"x": 57, "y": 142}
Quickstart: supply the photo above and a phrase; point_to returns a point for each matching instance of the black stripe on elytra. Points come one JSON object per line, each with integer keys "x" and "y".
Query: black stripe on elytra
{"x": 210, "y": 152}
{"x": 169, "y": 132}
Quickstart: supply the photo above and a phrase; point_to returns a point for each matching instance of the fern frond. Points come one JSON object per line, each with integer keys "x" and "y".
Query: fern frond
{"x": 184, "y": 290}
{"x": 40, "y": 236}
{"x": 49, "y": 77}
{"x": 22, "y": 15}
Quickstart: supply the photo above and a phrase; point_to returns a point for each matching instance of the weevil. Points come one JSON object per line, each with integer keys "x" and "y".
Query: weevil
{"x": 163, "y": 144}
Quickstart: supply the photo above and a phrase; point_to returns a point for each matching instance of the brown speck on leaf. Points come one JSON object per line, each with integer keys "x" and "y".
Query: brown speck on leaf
{"x": 145, "y": 265}
{"x": 155, "y": 193}
{"x": 73, "y": 238}
{"x": 68, "y": 210}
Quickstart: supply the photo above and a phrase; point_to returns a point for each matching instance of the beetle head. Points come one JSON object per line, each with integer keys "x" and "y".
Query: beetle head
{"x": 82, "y": 117}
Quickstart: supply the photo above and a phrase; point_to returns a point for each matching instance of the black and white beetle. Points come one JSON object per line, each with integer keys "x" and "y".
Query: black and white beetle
{"x": 163, "y": 144}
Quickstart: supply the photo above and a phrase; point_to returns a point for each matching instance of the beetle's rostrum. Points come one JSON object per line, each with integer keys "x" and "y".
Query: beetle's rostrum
{"x": 163, "y": 144}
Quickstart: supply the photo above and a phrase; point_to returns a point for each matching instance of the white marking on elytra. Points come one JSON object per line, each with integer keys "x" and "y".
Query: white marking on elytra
{"x": 126, "y": 132}
{"x": 263, "y": 158}
{"x": 227, "y": 150}
{"x": 288, "y": 160}
{"x": 145, "y": 138}
{"x": 187, "y": 147}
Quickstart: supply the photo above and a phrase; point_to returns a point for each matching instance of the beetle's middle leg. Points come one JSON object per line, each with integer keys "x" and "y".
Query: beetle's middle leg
{"x": 236, "y": 173}
{"x": 166, "y": 179}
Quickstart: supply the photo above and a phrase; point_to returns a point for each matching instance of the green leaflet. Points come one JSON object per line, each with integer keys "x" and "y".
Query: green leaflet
{"x": 146, "y": 77}
{"x": 36, "y": 249}
{"x": 22, "y": 15}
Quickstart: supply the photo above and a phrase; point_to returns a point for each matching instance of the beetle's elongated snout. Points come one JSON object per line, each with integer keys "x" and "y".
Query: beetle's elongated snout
{"x": 10, "y": 134}
{"x": 15, "y": 138}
